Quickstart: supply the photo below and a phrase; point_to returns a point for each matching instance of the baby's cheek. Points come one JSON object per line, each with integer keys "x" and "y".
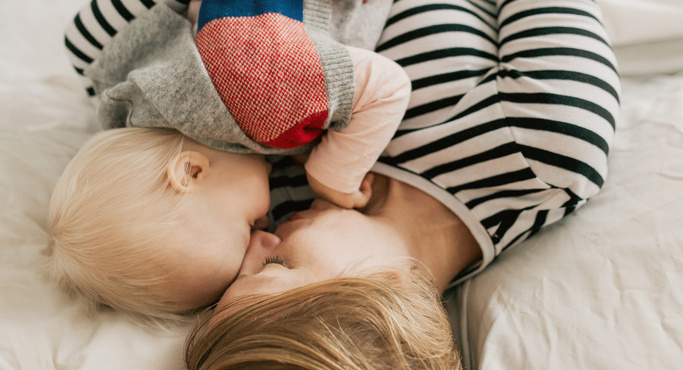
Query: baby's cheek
{"x": 263, "y": 195}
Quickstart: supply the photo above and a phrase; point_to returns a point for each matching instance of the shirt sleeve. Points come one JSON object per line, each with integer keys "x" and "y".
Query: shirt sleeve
{"x": 343, "y": 157}
{"x": 97, "y": 23}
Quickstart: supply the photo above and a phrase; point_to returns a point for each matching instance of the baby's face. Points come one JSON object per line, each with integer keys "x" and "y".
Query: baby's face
{"x": 230, "y": 201}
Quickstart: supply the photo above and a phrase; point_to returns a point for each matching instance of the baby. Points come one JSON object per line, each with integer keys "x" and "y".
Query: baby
{"x": 284, "y": 82}
{"x": 155, "y": 222}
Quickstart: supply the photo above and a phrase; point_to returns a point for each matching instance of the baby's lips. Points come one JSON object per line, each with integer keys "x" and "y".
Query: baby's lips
{"x": 262, "y": 223}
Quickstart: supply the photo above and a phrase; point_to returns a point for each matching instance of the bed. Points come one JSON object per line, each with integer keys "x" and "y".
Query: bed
{"x": 600, "y": 289}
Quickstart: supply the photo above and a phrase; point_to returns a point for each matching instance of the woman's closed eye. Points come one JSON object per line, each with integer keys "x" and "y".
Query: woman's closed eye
{"x": 273, "y": 259}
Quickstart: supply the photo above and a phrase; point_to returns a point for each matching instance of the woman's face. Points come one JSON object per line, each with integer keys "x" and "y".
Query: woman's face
{"x": 314, "y": 245}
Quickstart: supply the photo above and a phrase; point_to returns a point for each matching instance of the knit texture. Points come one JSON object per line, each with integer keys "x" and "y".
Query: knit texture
{"x": 150, "y": 74}
{"x": 269, "y": 72}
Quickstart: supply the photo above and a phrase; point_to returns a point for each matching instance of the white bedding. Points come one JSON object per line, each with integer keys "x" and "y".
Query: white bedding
{"x": 599, "y": 290}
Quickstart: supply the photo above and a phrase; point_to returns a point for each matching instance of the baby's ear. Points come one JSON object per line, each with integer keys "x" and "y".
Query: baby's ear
{"x": 185, "y": 169}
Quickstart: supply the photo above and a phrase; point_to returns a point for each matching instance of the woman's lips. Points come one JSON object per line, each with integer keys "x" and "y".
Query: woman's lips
{"x": 294, "y": 216}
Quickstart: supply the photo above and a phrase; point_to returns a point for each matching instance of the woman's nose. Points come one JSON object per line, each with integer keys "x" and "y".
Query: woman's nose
{"x": 261, "y": 245}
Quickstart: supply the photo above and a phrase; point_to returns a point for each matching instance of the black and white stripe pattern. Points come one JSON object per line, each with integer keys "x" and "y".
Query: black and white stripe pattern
{"x": 95, "y": 24}
{"x": 513, "y": 110}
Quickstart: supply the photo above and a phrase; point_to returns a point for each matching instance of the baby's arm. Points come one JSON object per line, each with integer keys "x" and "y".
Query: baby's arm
{"x": 94, "y": 26}
{"x": 337, "y": 166}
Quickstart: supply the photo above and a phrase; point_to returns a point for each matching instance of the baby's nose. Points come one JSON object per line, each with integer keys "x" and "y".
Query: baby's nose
{"x": 320, "y": 204}
{"x": 264, "y": 239}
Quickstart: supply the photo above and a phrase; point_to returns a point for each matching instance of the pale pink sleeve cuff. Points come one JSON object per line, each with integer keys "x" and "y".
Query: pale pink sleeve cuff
{"x": 343, "y": 157}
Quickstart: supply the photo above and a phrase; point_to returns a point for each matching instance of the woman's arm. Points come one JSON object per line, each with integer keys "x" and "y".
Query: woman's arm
{"x": 513, "y": 109}
{"x": 95, "y": 25}
{"x": 559, "y": 90}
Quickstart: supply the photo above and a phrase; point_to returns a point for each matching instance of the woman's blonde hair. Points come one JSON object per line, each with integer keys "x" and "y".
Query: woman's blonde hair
{"x": 380, "y": 321}
{"x": 110, "y": 214}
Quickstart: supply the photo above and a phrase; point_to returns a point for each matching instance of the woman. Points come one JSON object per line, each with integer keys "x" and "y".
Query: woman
{"x": 513, "y": 108}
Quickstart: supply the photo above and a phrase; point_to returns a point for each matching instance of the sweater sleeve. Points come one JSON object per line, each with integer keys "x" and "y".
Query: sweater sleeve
{"x": 95, "y": 25}
{"x": 343, "y": 157}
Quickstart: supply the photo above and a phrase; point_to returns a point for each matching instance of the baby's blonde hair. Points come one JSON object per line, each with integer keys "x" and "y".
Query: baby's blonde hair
{"x": 111, "y": 213}
{"x": 380, "y": 321}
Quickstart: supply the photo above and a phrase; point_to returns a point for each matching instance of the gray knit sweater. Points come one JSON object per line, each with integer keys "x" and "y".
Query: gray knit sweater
{"x": 151, "y": 74}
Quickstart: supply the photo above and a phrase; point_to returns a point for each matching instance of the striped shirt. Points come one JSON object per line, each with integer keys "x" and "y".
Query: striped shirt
{"x": 95, "y": 25}
{"x": 513, "y": 109}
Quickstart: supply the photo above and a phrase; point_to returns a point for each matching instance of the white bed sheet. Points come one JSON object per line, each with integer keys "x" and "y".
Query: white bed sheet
{"x": 44, "y": 117}
{"x": 598, "y": 290}
{"x": 647, "y": 35}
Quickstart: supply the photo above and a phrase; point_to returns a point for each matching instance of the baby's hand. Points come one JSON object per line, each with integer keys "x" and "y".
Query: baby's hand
{"x": 356, "y": 199}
